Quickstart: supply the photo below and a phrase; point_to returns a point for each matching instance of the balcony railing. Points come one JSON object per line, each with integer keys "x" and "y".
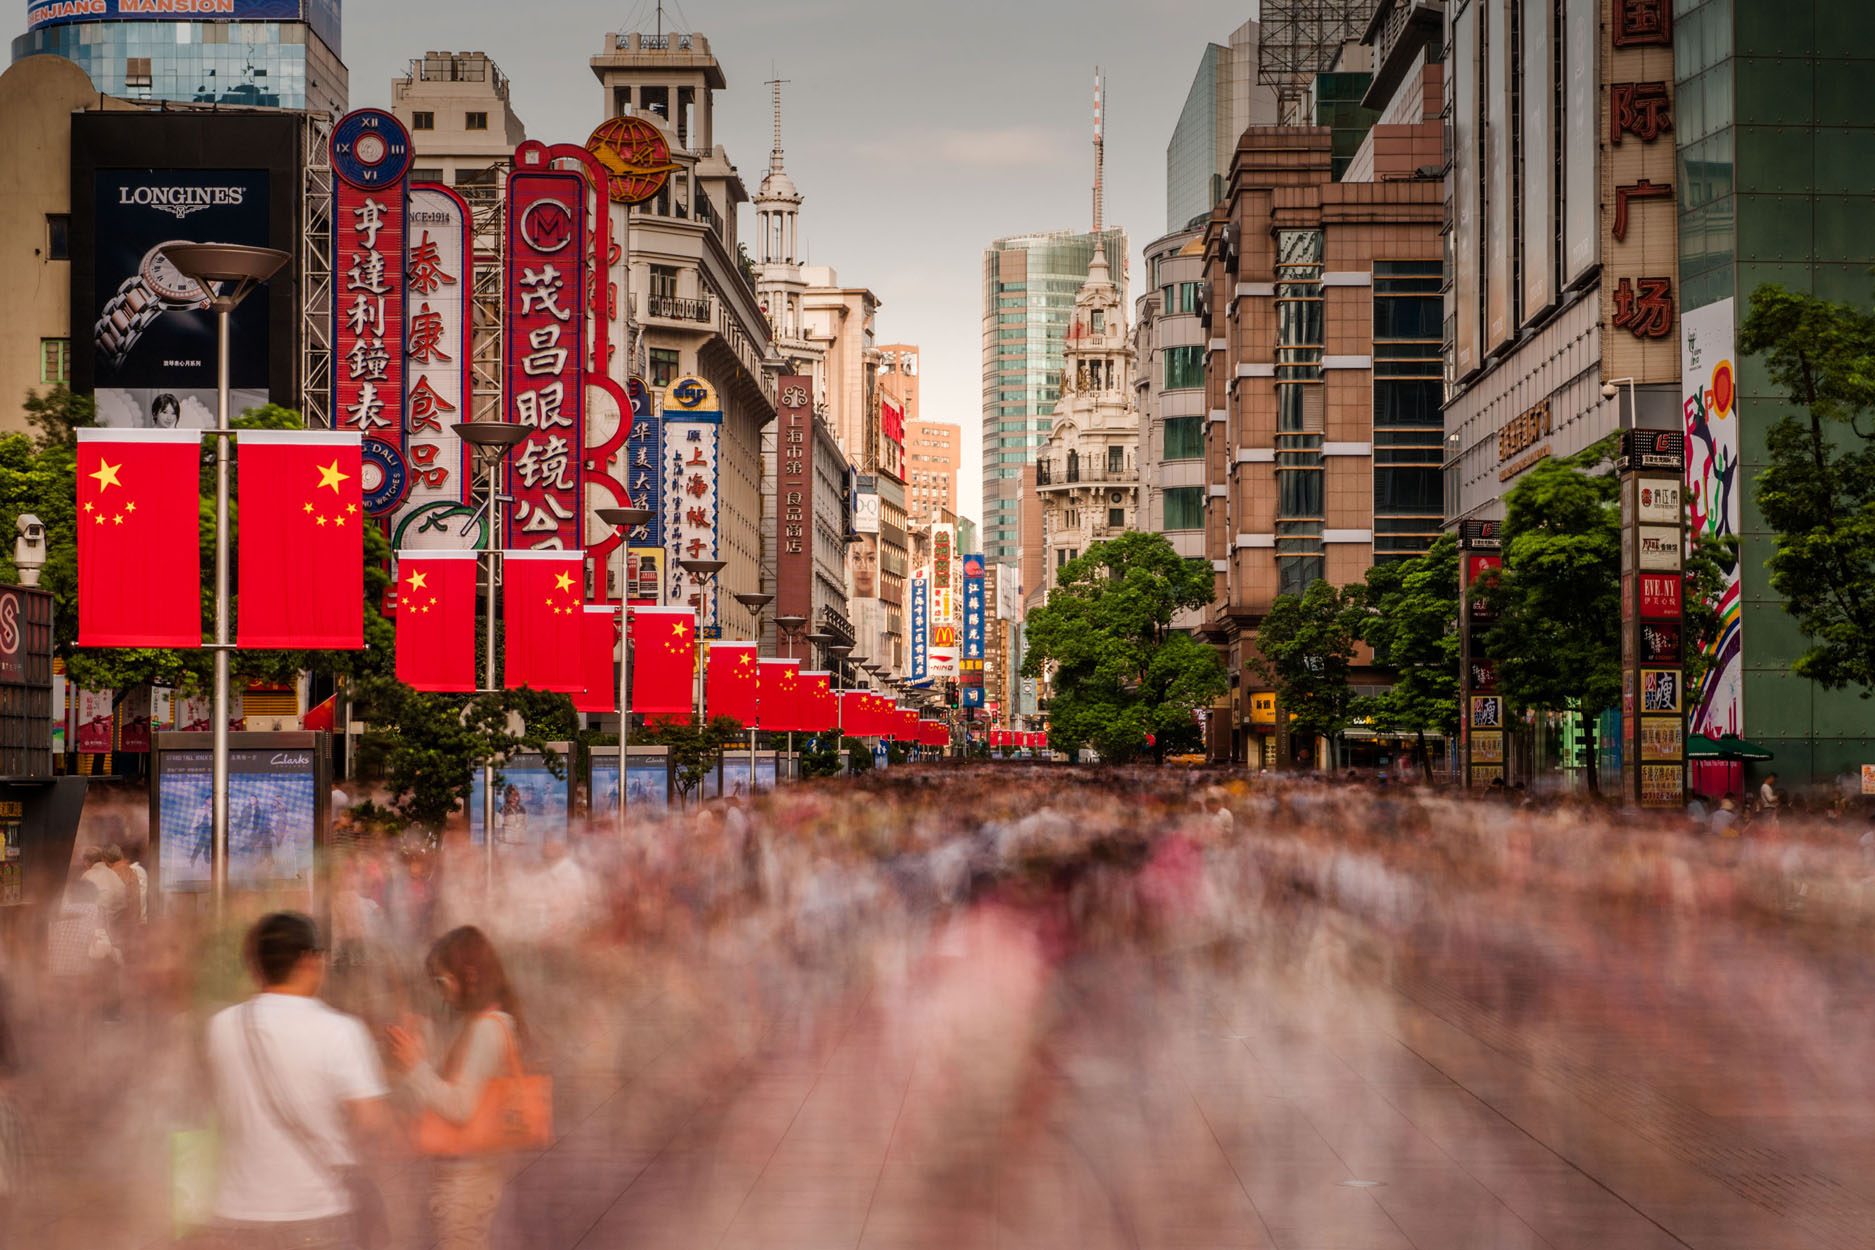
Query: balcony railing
{"x": 1051, "y": 473}
{"x": 671, "y": 308}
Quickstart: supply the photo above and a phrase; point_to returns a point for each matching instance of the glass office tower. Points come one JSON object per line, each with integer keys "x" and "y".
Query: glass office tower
{"x": 1029, "y": 284}
{"x": 268, "y": 53}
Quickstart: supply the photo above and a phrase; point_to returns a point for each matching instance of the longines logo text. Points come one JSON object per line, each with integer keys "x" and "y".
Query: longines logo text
{"x": 181, "y": 201}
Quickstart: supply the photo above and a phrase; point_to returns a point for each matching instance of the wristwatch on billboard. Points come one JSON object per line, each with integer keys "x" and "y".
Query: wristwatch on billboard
{"x": 156, "y": 288}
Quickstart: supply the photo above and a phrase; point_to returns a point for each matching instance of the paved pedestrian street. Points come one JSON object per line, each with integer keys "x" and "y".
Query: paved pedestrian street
{"x": 1118, "y": 1013}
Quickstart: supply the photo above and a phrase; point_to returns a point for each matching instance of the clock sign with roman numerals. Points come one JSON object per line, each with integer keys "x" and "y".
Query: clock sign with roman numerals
{"x": 370, "y": 148}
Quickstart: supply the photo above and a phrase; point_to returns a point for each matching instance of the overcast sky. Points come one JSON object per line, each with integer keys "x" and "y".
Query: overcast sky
{"x": 916, "y": 131}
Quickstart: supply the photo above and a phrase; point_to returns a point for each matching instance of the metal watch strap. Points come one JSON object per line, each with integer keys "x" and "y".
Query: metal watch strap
{"x": 124, "y": 318}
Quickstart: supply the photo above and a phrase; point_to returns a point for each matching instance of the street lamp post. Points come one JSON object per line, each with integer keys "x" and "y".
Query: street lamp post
{"x": 754, "y": 601}
{"x": 227, "y": 273}
{"x": 492, "y": 441}
{"x": 626, "y": 520}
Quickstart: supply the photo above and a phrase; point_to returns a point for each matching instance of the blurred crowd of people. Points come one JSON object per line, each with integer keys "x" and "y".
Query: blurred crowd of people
{"x": 994, "y": 922}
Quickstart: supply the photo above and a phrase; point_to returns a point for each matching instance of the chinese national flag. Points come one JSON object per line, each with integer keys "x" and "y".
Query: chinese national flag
{"x": 815, "y": 698}
{"x": 729, "y": 684}
{"x": 301, "y": 559}
{"x": 852, "y": 713}
{"x": 779, "y": 682}
{"x": 664, "y": 660}
{"x": 598, "y": 640}
{"x": 139, "y": 540}
{"x": 436, "y": 619}
{"x": 543, "y": 594}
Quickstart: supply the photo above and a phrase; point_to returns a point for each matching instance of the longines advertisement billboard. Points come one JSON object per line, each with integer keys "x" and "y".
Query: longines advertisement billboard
{"x": 143, "y": 338}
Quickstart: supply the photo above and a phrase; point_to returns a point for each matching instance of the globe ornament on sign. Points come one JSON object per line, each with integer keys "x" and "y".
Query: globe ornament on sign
{"x": 636, "y": 157}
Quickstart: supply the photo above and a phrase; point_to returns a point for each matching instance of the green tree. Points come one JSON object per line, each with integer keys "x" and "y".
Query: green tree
{"x": 693, "y": 749}
{"x": 429, "y": 747}
{"x": 1412, "y": 625}
{"x": 1306, "y": 646}
{"x": 1817, "y": 490}
{"x": 1557, "y": 640}
{"x": 1118, "y": 670}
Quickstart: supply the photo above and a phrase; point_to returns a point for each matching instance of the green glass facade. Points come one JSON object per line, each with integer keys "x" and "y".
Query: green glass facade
{"x": 1338, "y": 106}
{"x": 1193, "y": 183}
{"x": 1029, "y": 285}
{"x": 1776, "y": 141}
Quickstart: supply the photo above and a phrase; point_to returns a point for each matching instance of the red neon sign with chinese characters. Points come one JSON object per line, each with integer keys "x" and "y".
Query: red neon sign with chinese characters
{"x": 543, "y": 347}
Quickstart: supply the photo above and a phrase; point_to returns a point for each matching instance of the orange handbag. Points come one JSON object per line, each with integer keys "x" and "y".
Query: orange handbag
{"x": 516, "y": 1113}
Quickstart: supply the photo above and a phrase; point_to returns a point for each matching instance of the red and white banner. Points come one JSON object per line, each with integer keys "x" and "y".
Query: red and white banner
{"x": 436, "y": 352}
{"x": 543, "y": 347}
{"x": 794, "y": 507}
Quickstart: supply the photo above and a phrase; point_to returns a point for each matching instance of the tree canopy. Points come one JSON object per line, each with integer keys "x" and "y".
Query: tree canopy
{"x": 1306, "y": 647}
{"x": 1817, "y": 490}
{"x": 1119, "y": 672}
{"x": 1411, "y": 623}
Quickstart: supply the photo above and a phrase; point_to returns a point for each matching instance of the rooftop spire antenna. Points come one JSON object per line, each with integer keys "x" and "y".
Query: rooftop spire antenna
{"x": 1100, "y": 147}
{"x": 774, "y": 156}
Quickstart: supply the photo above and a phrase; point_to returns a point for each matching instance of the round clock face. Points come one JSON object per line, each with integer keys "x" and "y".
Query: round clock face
{"x": 167, "y": 282}
{"x": 793, "y": 397}
{"x": 370, "y": 149}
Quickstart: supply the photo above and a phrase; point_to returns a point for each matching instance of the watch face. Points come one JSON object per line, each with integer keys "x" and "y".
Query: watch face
{"x": 168, "y": 282}
{"x": 794, "y": 397}
{"x": 370, "y": 148}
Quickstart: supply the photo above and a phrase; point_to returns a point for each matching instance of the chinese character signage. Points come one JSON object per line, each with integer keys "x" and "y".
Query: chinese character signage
{"x": 891, "y": 437}
{"x": 974, "y": 603}
{"x": 1717, "y": 705}
{"x": 794, "y": 505}
{"x": 944, "y": 590}
{"x": 920, "y": 625}
{"x": 436, "y": 353}
{"x": 693, "y": 423}
{"x": 1653, "y": 694}
{"x": 370, "y": 155}
{"x": 1640, "y": 241}
{"x": 543, "y": 345}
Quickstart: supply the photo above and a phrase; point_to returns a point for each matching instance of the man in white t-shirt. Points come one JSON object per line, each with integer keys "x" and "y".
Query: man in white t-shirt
{"x": 297, "y": 1084}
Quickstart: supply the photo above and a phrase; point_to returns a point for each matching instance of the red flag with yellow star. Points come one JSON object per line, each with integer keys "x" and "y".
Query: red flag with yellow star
{"x": 664, "y": 660}
{"x": 729, "y": 681}
{"x": 817, "y": 714}
{"x": 436, "y": 619}
{"x": 780, "y": 681}
{"x": 543, "y": 597}
{"x": 301, "y": 547}
{"x": 139, "y": 541}
{"x": 598, "y": 647}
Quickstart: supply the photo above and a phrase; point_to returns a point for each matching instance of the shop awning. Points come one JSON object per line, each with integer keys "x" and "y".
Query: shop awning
{"x": 1725, "y": 747}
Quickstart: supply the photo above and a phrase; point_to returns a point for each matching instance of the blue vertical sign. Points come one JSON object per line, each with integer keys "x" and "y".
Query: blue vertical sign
{"x": 973, "y": 631}
{"x": 644, "y": 459}
{"x": 920, "y": 625}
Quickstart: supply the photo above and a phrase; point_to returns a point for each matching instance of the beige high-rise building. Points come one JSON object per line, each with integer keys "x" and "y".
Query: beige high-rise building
{"x": 933, "y": 458}
{"x": 461, "y": 122}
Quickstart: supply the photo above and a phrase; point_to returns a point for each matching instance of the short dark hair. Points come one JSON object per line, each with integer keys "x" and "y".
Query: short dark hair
{"x": 277, "y": 943}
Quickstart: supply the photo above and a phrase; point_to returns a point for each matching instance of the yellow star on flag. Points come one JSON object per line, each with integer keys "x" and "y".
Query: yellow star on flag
{"x": 320, "y": 519}
{"x": 131, "y": 506}
{"x": 309, "y": 507}
{"x": 563, "y": 581}
{"x": 338, "y": 520}
{"x": 106, "y": 475}
{"x": 87, "y": 507}
{"x": 418, "y": 580}
{"x": 678, "y": 628}
{"x": 329, "y": 475}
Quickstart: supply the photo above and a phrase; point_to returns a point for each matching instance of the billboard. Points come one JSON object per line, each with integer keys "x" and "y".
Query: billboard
{"x": 1712, "y": 498}
{"x": 153, "y": 336}
{"x": 530, "y": 802}
{"x": 648, "y": 779}
{"x": 920, "y": 625}
{"x": 143, "y": 343}
{"x": 321, "y": 15}
{"x": 274, "y": 811}
{"x": 693, "y": 424}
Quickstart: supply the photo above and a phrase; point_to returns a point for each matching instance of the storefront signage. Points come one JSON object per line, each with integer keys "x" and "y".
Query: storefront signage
{"x": 693, "y": 424}
{"x": 1657, "y": 547}
{"x": 1523, "y": 431}
{"x": 1639, "y": 248}
{"x": 371, "y": 156}
{"x": 543, "y": 348}
{"x": 794, "y": 510}
{"x": 436, "y": 349}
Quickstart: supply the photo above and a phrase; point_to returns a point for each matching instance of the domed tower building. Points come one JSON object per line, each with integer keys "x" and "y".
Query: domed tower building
{"x": 779, "y": 282}
{"x": 1087, "y": 474}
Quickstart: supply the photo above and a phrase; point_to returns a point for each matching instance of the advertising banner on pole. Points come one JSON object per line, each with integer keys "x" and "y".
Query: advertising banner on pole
{"x": 944, "y": 595}
{"x": 794, "y": 509}
{"x": 543, "y": 346}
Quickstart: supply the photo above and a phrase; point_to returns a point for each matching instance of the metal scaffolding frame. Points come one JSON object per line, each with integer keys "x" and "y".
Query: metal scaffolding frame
{"x": 488, "y": 237}
{"x": 315, "y": 273}
{"x": 1298, "y": 40}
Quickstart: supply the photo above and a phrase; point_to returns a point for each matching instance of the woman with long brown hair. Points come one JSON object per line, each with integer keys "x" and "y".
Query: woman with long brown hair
{"x": 465, "y": 1189}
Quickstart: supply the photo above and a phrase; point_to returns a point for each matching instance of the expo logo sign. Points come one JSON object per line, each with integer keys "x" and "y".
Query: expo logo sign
{"x": 689, "y": 392}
